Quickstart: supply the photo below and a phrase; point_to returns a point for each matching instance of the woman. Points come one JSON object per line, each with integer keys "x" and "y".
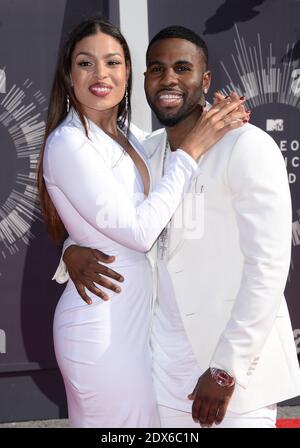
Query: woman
{"x": 94, "y": 181}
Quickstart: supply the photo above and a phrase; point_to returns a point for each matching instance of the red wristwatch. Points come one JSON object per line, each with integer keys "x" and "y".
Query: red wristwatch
{"x": 221, "y": 377}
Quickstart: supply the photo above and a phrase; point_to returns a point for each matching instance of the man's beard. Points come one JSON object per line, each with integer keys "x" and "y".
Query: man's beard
{"x": 178, "y": 117}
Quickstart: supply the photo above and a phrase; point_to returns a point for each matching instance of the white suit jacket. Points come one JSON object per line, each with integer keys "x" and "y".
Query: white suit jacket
{"x": 230, "y": 273}
{"x": 230, "y": 277}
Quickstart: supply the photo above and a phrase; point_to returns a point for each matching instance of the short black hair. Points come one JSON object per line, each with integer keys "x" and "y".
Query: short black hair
{"x": 180, "y": 32}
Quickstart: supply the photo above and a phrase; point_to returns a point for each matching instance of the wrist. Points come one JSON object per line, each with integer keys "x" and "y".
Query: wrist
{"x": 221, "y": 377}
{"x": 192, "y": 152}
{"x": 68, "y": 252}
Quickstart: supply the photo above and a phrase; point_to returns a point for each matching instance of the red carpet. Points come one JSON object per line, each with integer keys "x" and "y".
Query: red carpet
{"x": 288, "y": 423}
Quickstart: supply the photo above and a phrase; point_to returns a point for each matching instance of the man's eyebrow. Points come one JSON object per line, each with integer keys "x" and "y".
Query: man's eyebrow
{"x": 179, "y": 62}
{"x": 155, "y": 62}
{"x": 183, "y": 62}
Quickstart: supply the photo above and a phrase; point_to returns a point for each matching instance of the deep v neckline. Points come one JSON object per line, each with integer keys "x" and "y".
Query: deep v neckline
{"x": 145, "y": 181}
{"x": 132, "y": 141}
{"x": 134, "y": 146}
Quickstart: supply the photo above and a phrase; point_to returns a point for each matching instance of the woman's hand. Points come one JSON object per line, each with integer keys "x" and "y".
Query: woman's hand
{"x": 219, "y": 96}
{"x": 223, "y": 116}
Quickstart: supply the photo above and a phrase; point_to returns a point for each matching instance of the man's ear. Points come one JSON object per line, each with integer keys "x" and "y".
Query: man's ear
{"x": 206, "y": 81}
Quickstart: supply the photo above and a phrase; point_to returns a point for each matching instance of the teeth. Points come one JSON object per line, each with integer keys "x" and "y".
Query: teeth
{"x": 100, "y": 89}
{"x": 170, "y": 97}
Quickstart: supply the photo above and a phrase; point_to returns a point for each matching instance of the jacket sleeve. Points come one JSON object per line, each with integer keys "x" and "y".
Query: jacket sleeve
{"x": 74, "y": 166}
{"x": 258, "y": 181}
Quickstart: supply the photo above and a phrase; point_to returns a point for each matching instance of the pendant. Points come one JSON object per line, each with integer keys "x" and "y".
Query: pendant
{"x": 163, "y": 243}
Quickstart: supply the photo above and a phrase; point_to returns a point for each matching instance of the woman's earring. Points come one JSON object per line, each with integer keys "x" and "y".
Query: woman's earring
{"x": 205, "y": 90}
{"x": 126, "y": 101}
{"x": 68, "y": 103}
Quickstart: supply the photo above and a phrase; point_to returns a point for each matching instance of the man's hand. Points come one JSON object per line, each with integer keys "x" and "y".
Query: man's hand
{"x": 85, "y": 270}
{"x": 210, "y": 400}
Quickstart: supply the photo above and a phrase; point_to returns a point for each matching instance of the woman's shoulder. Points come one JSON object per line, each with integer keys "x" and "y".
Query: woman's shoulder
{"x": 66, "y": 133}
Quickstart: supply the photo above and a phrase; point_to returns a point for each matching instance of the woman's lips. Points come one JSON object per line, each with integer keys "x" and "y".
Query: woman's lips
{"x": 100, "y": 90}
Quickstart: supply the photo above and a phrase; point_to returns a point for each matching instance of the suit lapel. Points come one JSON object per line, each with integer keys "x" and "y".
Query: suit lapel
{"x": 154, "y": 145}
{"x": 187, "y": 221}
{"x": 180, "y": 224}
{"x": 155, "y": 149}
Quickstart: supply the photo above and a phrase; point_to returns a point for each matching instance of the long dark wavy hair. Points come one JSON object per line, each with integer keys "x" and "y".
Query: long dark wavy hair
{"x": 57, "y": 110}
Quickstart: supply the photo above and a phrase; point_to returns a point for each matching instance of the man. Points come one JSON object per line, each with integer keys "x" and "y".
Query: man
{"x": 221, "y": 337}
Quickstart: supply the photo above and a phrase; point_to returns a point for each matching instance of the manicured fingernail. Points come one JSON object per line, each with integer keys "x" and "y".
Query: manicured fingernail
{"x": 245, "y": 121}
{"x": 228, "y": 96}
{"x": 118, "y": 289}
{"x": 121, "y": 279}
{"x": 242, "y": 97}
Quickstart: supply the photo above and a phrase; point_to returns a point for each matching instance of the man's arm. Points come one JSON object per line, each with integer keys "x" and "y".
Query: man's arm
{"x": 258, "y": 180}
{"x": 261, "y": 198}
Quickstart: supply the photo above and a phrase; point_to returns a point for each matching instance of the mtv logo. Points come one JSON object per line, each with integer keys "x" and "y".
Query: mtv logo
{"x": 2, "y": 81}
{"x": 274, "y": 125}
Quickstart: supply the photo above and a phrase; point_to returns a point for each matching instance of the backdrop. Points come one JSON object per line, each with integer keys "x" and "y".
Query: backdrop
{"x": 254, "y": 48}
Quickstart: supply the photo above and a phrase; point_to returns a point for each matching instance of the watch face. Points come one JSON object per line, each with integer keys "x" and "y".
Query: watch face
{"x": 223, "y": 378}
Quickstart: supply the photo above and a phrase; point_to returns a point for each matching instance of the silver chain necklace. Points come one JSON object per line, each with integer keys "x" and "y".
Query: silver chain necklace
{"x": 163, "y": 239}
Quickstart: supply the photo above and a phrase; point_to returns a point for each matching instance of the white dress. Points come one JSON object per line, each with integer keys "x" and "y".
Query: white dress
{"x": 103, "y": 349}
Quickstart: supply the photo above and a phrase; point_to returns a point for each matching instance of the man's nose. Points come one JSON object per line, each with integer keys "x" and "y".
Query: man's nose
{"x": 169, "y": 77}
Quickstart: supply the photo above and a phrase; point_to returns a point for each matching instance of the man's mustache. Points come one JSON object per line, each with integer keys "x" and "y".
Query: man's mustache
{"x": 170, "y": 90}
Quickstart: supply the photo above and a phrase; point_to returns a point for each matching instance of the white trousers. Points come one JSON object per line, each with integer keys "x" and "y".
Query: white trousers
{"x": 260, "y": 418}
